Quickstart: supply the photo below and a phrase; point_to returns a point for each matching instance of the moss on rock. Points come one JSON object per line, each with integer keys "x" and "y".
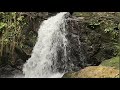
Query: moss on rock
{"x": 113, "y": 62}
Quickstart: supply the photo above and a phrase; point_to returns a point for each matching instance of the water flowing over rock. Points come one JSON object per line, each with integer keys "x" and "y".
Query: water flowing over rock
{"x": 57, "y": 50}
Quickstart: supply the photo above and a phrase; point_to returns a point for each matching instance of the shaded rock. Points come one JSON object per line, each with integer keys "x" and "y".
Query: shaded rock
{"x": 75, "y": 55}
{"x": 16, "y": 72}
{"x": 6, "y": 71}
{"x": 21, "y": 53}
{"x": 10, "y": 71}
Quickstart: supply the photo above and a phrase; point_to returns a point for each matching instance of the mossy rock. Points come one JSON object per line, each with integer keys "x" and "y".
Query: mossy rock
{"x": 113, "y": 62}
{"x": 94, "y": 72}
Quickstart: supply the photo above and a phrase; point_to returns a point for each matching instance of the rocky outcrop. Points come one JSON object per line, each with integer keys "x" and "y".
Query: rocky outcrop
{"x": 93, "y": 45}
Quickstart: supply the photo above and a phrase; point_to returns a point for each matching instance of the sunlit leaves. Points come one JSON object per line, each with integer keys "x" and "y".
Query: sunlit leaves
{"x": 2, "y": 25}
{"x": 11, "y": 25}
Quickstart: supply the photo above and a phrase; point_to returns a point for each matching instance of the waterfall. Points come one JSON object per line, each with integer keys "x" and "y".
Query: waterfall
{"x": 45, "y": 57}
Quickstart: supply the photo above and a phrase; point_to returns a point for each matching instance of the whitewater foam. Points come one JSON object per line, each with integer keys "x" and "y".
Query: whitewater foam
{"x": 44, "y": 57}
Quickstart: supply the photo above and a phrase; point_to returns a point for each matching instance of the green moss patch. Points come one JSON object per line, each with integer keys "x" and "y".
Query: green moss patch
{"x": 113, "y": 62}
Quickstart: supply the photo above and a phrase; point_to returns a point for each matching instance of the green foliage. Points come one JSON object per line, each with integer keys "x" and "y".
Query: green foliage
{"x": 108, "y": 21}
{"x": 2, "y": 25}
{"x": 11, "y": 26}
{"x": 113, "y": 62}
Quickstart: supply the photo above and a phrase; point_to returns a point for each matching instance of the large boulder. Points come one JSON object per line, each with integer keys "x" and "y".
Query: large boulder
{"x": 94, "y": 72}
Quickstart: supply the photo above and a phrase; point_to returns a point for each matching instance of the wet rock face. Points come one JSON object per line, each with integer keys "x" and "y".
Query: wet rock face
{"x": 84, "y": 47}
{"x": 76, "y": 56}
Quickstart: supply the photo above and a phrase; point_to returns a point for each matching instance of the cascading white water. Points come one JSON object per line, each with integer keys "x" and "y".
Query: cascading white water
{"x": 51, "y": 37}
